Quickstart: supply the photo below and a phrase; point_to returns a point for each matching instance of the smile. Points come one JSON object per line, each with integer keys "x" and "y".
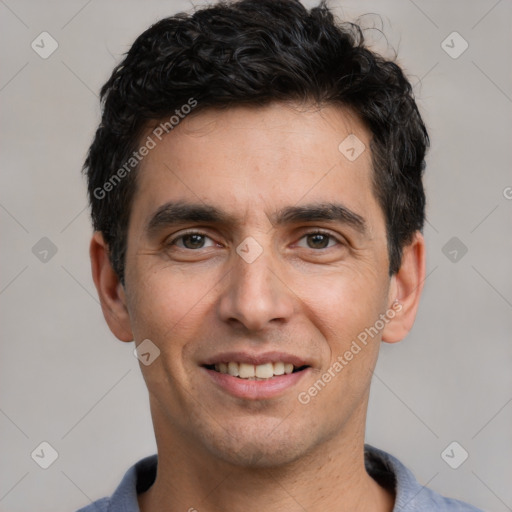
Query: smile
{"x": 255, "y": 372}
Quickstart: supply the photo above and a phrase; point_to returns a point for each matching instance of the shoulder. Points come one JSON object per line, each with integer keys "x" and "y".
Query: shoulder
{"x": 410, "y": 494}
{"x": 97, "y": 506}
{"x": 136, "y": 480}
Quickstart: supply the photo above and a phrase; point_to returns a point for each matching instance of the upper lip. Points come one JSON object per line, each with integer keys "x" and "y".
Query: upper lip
{"x": 256, "y": 359}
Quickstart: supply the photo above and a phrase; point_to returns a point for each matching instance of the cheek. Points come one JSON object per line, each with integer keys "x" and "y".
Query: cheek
{"x": 342, "y": 313}
{"x": 343, "y": 304}
{"x": 169, "y": 309}
{"x": 166, "y": 305}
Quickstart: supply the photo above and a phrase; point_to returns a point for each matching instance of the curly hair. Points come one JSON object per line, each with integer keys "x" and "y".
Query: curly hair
{"x": 253, "y": 52}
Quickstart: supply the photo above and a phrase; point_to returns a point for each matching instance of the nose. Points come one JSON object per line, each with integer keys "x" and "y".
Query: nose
{"x": 256, "y": 294}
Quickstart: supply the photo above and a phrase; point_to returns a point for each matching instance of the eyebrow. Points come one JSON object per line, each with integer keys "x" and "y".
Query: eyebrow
{"x": 330, "y": 212}
{"x": 174, "y": 213}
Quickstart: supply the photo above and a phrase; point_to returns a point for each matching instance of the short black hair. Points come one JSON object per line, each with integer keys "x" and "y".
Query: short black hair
{"x": 253, "y": 52}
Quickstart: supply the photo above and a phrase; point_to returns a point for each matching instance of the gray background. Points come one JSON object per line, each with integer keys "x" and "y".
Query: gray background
{"x": 67, "y": 381}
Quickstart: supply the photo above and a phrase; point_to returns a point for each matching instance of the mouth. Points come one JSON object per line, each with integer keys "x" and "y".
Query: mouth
{"x": 248, "y": 371}
{"x": 256, "y": 376}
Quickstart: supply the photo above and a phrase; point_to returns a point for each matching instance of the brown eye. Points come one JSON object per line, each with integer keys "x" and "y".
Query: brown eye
{"x": 318, "y": 240}
{"x": 192, "y": 241}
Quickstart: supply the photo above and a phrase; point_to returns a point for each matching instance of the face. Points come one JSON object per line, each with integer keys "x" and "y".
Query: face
{"x": 256, "y": 247}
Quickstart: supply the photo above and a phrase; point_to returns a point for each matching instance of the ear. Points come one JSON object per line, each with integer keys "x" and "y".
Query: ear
{"x": 405, "y": 290}
{"x": 110, "y": 290}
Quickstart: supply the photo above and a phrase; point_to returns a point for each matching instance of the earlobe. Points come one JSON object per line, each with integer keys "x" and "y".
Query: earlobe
{"x": 110, "y": 290}
{"x": 405, "y": 290}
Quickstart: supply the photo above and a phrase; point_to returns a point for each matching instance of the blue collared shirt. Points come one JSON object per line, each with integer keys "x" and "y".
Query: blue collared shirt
{"x": 384, "y": 468}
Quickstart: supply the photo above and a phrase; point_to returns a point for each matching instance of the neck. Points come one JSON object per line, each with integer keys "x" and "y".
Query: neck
{"x": 331, "y": 477}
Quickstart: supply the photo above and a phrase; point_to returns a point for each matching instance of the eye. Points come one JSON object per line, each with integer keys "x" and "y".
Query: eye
{"x": 319, "y": 240}
{"x": 192, "y": 240}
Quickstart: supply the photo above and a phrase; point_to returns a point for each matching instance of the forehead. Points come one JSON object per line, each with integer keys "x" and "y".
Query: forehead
{"x": 254, "y": 160}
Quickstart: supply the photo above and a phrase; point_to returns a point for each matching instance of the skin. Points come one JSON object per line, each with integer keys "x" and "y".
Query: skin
{"x": 195, "y": 298}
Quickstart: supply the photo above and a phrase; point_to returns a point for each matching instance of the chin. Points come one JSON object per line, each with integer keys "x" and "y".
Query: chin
{"x": 258, "y": 448}
{"x": 261, "y": 456}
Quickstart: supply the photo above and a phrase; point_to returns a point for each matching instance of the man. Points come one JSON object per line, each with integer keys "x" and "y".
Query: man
{"x": 257, "y": 201}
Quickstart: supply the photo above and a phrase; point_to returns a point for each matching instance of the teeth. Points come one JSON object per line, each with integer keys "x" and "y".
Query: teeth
{"x": 264, "y": 371}
{"x": 246, "y": 371}
{"x": 251, "y": 371}
{"x": 233, "y": 369}
{"x": 278, "y": 368}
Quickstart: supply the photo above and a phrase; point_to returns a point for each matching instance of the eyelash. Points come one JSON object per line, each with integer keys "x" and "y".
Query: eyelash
{"x": 309, "y": 233}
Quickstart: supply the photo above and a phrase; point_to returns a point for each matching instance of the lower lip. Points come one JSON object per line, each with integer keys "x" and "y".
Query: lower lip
{"x": 256, "y": 389}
